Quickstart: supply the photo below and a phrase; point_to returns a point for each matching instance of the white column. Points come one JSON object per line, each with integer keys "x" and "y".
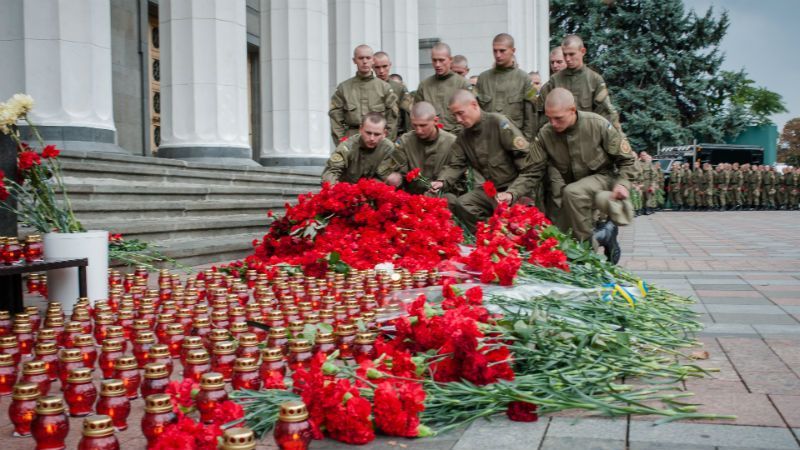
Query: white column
{"x": 543, "y": 38}
{"x": 400, "y": 36}
{"x": 294, "y": 82}
{"x": 59, "y": 52}
{"x": 522, "y": 27}
{"x": 356, "y": 22}
{"x": 204, "y": 81}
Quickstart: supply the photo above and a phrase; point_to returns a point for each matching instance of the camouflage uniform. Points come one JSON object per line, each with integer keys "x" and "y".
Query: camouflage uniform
{"x": 351, "y": 161}
{"x": 429, "y": 156}
{"x": 356, "y": 97}
{"x": 769, "y": 185}
{"x": 505, "y": 90}
{"x": 754, "y": 188}
{"x": 437, "y": 90}
{"x": 736, "y": 187}
{"x": 676, "y": 186}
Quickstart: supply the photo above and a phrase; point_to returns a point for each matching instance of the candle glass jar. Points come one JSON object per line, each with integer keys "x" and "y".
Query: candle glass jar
{"x": 245, "y": 374}
{"x": 279, "y": 338}
{"x": 159, "y": 354}
{"x": 34, "y": 248}
{"x": 248, "y": 346}
{"x": 345, "y": 339}
{"x": 198, "y": 362}
{"x": 190, "y": 343}
{"x": 126, "y": 370}
{"x": 23, "y": 408}
{"x": 80, "y": 392}
{"x": 51, "y": 426}
{"x": 293, "y": 430}
{"x": 157, "y": 415}
{"x": 12, "y": 251}
{"x": 174, "y": 339}
{"x": 141, "y": 347}
{"x": 223, "y": 358}
{"x": 24, "y": 334}
{"x": 98, "y": 434}
{"x": 300, "y": 354}
{"x": 238, "y": 439}
{"x": 36, "y": 372}
{"x": 85, "y": 343}
{"x": 156, "y": 379}
{"x": 8, "y": 374}
{"x": 9, "y": 346}
{"x": 69, "y": 360}
{"x": 212, "y": 393}
{"x": 111, "y": 350}
{"x": 114, "y": 403}
{"x": 364, "y": 348}
{"x": 47, "y": 353}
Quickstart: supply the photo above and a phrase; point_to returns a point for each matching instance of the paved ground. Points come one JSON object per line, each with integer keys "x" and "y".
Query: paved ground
{"x": 744, "y": 270}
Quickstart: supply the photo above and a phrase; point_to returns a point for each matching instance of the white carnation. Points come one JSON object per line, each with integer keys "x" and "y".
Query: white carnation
{"x": 23, "y": 103}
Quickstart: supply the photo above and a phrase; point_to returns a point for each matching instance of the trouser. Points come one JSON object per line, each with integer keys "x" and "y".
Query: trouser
{"x": 754, "y": 197}
{"x": 723, "y": 197}
{"x": 794, "y": 198}
{"x": 709, "y": 197}
{"x": 650, "y": 197}
{"x": 471, "y": 208}
{"x": 689, "y": 198}
{"x": 783, "y": 198}
{"x": 737, "y": 196}
{"x": 676, "y": 196}
{"x": 579, "y": 199}
{"x": 700, "y": 197}
{"x": 636, "y": 198}
{"x": 769, "y": 195}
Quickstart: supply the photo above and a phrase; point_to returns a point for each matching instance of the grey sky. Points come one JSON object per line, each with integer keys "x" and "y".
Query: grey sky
{"x": 764, "y": 39}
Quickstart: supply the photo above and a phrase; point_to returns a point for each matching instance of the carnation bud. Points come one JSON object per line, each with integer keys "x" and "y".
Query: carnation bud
{"x": 374, "y": 374}
{"x": 423, "y": 431}
{"x": 329, "y": 369}
{"x": 346, "y": 397}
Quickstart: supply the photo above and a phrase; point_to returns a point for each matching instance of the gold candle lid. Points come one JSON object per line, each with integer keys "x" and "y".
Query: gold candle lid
{"x": 154, "y": 371}
{"x": 145, "y": 337}
{"x": 192, "y": 342}
{"x": 197, "y": 356}
{"x": 125, "y": 363}
{"x": 324, "y": 338}
{"x": 112, "y": 345}
{"x": 114, "y": 331}
{"x": 104, "y": 319}
{"x": 239, "y": 327}
{"x": 32, "y": 310}
{"x": 8, "y": 341}
{"x": 112, "y": 388}
{"x": 6, "y": 360}
{"x": 45, "y": 348}
{"x": 201, "y": 322}
{"x": 159, "y": 351}
{"x": 98, "y": 426}
{"x": 5, "y": 315}
{"x": 79, "y": 375}
{"x": 49, "y": 405}
{"x": 70, "y": 355}
{"x": 346, "y": 329}
{"x": 278, "y": 332}
{"x": 141, "y": 324}
{"x": 157, "y": 403}
{"x": 299, "y": 345}
{"x": 274, "y": 315}
{"x": 296, "y": 326}
{"x": 365, "y": 338}
{"x": 271, "y": 354}
{"x": 74, "y": 327}
{"x": 22, "y": 317}
{"x": 25, "y": 391}
{"x": 46, "y": 334}
{"x": 34, "y": 367}
{"x": 223, "y": 348}
{"x": 84, "y": 340}
{"x": 174, "y": 329}
{"x": 54, "y": 321}
{"x": 293, "y": 412}
{"x": 211, "y": 381}
{"x": 166, "y": 318}
{"x": 238, "y": 439}
{"x": 248, "y": 339}
{"x": 218, "y": 334}
{"x": 245, "y": 365}
{"x": 20, "y": 327}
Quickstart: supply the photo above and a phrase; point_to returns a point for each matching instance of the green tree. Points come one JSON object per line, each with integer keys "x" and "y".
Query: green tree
{"x": 759, "y": 102}
{"x": 789, "y": 143}
{"x": 662, "y": 66}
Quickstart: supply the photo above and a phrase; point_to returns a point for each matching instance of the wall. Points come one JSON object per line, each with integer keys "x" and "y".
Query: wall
{"x": 127, "y": 76}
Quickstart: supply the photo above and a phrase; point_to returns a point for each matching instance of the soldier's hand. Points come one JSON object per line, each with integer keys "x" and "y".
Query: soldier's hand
{"x": 504, "y": 197}
{"x": 394, "y": 179}
{"x": 436, "y": 186}
{"x": 619, "y": 192}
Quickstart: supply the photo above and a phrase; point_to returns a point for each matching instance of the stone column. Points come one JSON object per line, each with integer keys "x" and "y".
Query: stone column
{"x": 353, "y": 22}
{"x": 59, "y": 52}
{"x": 400, "y": 36}
{"x": 294, "y": 83}
{"x": 543, "y": 38}
{"x": 204, "y": 81}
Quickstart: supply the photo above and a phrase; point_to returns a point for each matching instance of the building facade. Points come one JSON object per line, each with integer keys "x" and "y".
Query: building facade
{"x": 236, "y": 82}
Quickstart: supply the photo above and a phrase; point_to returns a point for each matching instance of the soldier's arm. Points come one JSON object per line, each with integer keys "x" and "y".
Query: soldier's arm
{"x": 336, "y": 165}
{"x": 396, "y": 161}
{"x": 419, "y": 94}
{"x": 392, "y": 112}
{"x": 455, "y": 168}
{"x": 336, "y": 113}
{"x": 603, "y": 106}
{"x": 530, "y": 126}
{"x": 620, "y": 151}
{"x": 530, "y": 164}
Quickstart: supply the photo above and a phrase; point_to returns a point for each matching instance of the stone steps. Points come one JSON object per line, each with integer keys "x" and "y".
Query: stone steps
{"x": 195, "y": 213}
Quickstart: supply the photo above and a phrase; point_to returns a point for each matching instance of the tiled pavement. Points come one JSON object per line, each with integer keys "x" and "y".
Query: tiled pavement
{"x": 744, "y": 270}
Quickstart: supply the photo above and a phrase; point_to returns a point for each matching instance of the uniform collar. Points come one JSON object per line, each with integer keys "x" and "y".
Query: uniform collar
{"x": 445, "y": 76}
{"x": 574, "y": 126}
{"x": 572, "y": 72}
{"x": 367, "y": 77}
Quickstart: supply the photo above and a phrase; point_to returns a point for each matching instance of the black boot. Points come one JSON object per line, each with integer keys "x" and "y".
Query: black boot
{"x": 606, "y": 235}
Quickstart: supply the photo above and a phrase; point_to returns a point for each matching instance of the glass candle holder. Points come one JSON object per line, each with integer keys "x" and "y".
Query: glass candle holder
{"x": 101, "y": 325}
{"x": 9, "y": 346}
{"x": 293, "y": 430}
{"x": 34, "y": 317}
{"x": 198, "y": 362}
{"x": 69, "y": 360}
{"x": 23, "y": 407}
{"x": 12, "y": 251}
{"x": 116, "y": 332}
{"x": 34, "y": 248}
{"x": 24, "y": 334}
{"x": 364, "y": 347}
{"x": 85, "y": 343}
{"x": 8, "y": 374}
{"x": 98, "y": 434}
{"x": 174, "y": 339}
{"x": 141, "y": 347}
{"x": 345, "y": 339}
{"x": 279, "y": 338}
{"x": 300, "y": 354}
{"x": 157, "y": 415}
{"x": 50, "y": 427}
{"x": 248, "y": 346}
{"x": 238, "y": 439}
{"x": 36, "y": 372}
{"x": 212, "y": 393}
{"x": 159, "y": 354}
{"x": 237, "y": 329}
{"x": 325, "y": 343}
{"x": 156, "y": 379}
{"x": 71, "y": 331}
{"x": 5, "y": 323}
{"x": 126, "y": 370}
{"x": 114, "y": 403}
{"x": 223, "y": 358}
{"x": 273, "y": 365}
{"x": 190, "y": 343}
{"x": 80, "y": 392}
{"x": 245, "y": 374}
{"x": 111, "y": 350}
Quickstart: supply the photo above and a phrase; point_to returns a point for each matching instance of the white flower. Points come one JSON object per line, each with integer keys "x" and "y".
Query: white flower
{"x": 22, "y": 103}
{"x": 7, "y": 118}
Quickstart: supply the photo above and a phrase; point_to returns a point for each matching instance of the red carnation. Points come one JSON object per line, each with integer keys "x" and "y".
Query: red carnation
{"x": 28, "y": 159}
{"x": 522, "y": 412}
{"x": 50, "y": 151}
{"x": 3, "y": 191}
{"x": 227, "y": 411}
{"x": 180, "y": 393}
{"x": 489, "y": 189}
{"x": 412, "y": 175}
{"x": 397, "y": 407}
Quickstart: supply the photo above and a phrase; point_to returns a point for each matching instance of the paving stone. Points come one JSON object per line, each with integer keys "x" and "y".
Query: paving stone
{"x": 789, "y": 407}
{"x": 611, "y": 429}
{"x": 567, "y": 443}
{"x": 737, "y": 301}
{"x": 729, "y": 329}
{"x": 768, "y": 330}
{"x": 754, "y": 319}
{"x": 502, "y": 433}
{"x": 784, "y": 382}
{"x": 740, "y": 294}
{"x": 746, "y": 309}
{"x": 680, "y": 434}
{"x": 734, "y": 286}
{"x": 667, "y": 446}
{"x": 749, "y": 409}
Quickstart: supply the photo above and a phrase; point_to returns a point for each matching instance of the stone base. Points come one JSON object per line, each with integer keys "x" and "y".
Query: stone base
{"x": 76, "y": 138}
{"x": 228, "y": 156}
{"x": 292, "y": 161}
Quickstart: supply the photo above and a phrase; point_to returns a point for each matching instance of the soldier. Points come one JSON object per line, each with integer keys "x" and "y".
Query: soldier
{"x": 688, "y": 189}
{"x": 794, "y": 189}
{"x": 460, "y": 65}
{"x": 676, "y": 182}
{"x": 770, "y": 188}
{"x": 557, "y": 63}
{"x": 438, "y": 88}
{"x": 648, "y": 183}
{"x": 591, "y": 167}
{"x": 536, "y": 79}
{"x": 588, "y": 87}
{"x": 737, "y": 186}
{"x": 491, "y": 145}
{"x": 382, "y": 65}
{"x": 754, "y": 187}
{"x": 708, "y": 187}
{"x": 659, "y": 185}
{"x": 722, "y": 178}
{"x": 698, "y": 199}
{"x": 636, "y": 190}
{"x": 361, "y": 155}
{"x": 504, "y": 88}
{"x": 360, "y": 95}
{"x": 425, "y": 147}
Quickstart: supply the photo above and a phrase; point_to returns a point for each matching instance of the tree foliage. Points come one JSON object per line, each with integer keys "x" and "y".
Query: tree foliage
{"x": 662, "y": 66}
{"x": 789, "y": 143}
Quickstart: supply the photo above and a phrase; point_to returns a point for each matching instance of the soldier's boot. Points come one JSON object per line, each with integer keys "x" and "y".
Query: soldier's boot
{"x": 606, "y": 236}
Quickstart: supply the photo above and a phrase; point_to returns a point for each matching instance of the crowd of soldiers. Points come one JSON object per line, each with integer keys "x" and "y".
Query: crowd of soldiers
{"x": 558, "y": 145}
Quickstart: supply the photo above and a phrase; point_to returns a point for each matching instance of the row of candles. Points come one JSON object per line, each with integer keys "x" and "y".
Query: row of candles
{"x": 212, "y": 348}
{"x": 14, "y": 252}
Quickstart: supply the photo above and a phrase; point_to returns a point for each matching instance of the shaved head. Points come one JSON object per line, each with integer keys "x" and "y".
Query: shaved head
{"x": 504, "y": 38}
{"x": 362, "y": 58}
{"x": 381, "y": 54}
{"x": 503, "y": 50}
{"x": 423, "y": 111}
{"x": 559, "y": 107}
{"x": 462, "y": 97}
{"x": 441, "y": 47}
{"x": 574, "y": 51}
{"x": 362, "y": 48}
{"x": 464, "y": 107}
{"x": 559, "y": 98}
{"x": 572, "y": 40}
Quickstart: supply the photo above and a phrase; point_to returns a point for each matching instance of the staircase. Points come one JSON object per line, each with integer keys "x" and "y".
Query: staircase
{"x": 197, "y": 213}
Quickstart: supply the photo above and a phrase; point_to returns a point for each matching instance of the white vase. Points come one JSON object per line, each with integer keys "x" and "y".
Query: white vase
{"x": 62, "y": 284}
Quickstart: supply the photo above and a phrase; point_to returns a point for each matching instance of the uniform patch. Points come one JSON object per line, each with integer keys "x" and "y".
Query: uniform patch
{"x": 602, "y": 95}
{"x": 336, "y": 157}
{"x": 504, "y": 125}
{"x": 625, "y": 146}
{"x": 520, "y": 143}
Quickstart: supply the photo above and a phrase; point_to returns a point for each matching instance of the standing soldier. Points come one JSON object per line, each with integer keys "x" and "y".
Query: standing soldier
{"x": 737, "y": 186}
{"x": 648, "y": 183}
{"x": 754, "y": 187}
{"x": 708, "y": 187}
{"x": 588, "y": 87}
{"x": 769, "y": 186}
{"x": 697, "y": 187}
{"x": 362, "y": 155}
{"x": 659, "y": 187}
{"x": 382, "y": 65}
{"x": 676, "y": 182}
{"x": 688, "y": 188}
{"x": 794, "y": 189}
{"x": 438, "y": 88}
{"x": 721, "y": 180}
{"x": 356, "y": 97}
{"x": 504, "y": 88}
{"x": 460, "y": 65}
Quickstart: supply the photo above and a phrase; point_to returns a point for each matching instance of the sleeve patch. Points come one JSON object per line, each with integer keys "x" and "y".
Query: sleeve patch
{"x": 520, "y": 143}
{"x": 336, "y": 157}
{"x": 602, "y": 94}
{"x": 625, "y": 146}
